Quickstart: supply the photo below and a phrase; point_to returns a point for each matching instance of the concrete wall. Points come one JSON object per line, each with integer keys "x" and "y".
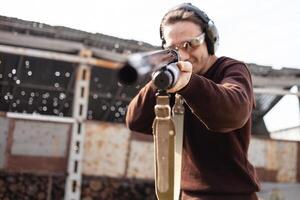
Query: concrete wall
{"x": 279, "y": 191}
{"x": 116, "y": 158}
{"x": 112, "y": 150}
{"x": 105, "y": 150}
{"x": 32, "y": 138}
{"x": 33, "y": 146}
{"x": 276, "y": 160}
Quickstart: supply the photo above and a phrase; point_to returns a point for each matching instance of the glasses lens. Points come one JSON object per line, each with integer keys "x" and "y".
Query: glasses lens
{"x": 195, "y": 42}
{"x": 188, "y": 45}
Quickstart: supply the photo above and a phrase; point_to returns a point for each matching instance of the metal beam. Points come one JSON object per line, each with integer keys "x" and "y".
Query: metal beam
{"x": 275, "y": 91}
{"x": 37, "y": 42}
{"x": 38, "y": 117}
{"x": 76, "y": 150}
{"x": 59, "y": 56}
{"x": 109, "y": 55}
{"x": 275, "y": 81}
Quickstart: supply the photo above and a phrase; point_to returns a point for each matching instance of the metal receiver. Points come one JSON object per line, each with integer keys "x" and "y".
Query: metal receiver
{"x": 161, "y": 64}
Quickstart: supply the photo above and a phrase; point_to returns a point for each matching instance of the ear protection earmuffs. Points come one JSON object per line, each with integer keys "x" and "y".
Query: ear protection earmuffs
{"x": 210, "y": 30}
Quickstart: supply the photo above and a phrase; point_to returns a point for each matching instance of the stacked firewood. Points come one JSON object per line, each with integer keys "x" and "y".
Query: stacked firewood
{"x": 57, "y": 188}
{"x": 18, "y": 186}
{"x": 23, "y": 187}
{"x": 101, "y": 188}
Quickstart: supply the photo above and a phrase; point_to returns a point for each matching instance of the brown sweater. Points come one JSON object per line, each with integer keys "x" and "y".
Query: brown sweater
{"x": 217, "y": 128}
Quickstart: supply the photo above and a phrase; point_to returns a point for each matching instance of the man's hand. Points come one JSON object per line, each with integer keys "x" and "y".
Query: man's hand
{"x": 186, "y": 69}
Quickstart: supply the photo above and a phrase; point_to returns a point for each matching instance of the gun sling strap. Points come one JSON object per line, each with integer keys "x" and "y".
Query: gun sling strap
{"x": 168, "y": 139}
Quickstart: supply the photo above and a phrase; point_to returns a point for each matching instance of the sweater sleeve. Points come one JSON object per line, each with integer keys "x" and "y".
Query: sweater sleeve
{"x": 223, "y": 106}
{"x": 140, "y": 111}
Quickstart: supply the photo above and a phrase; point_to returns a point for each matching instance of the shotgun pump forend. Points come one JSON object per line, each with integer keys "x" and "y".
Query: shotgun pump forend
{"x": 161, "y": 64}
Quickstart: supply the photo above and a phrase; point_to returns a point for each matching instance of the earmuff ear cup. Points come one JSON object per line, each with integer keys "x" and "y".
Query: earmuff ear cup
{"x": 213, "y": 35}
{"x": 211, "y": 32}
{"x": 212, "y": 38}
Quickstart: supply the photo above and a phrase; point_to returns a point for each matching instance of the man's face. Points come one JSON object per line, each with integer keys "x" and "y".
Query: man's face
{"x": 180, "y": 36}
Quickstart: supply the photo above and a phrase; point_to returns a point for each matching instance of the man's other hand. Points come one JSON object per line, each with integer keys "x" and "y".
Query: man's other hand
{"x": 186, "y": 69}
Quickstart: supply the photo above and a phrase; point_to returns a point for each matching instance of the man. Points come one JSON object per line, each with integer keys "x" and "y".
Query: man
{"x": 218, "y": 99}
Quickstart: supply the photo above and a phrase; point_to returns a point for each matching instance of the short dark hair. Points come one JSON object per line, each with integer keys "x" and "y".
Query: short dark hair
{"x": 178, "y": 16}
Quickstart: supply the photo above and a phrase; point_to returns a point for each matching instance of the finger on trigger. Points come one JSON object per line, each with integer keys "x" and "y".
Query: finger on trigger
{"x": 184, "y": 66}
{"x": 180, "y": 65}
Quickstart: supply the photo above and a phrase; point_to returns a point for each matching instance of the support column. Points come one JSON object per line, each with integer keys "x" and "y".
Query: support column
{"x": 80, "y": 106}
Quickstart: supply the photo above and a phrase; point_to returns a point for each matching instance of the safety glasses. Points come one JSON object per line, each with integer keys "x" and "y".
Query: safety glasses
{"x": 189, "y": 45}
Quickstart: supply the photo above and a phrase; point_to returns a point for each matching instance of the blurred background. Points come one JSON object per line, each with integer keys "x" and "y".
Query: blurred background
{"x": 62, "y": 132}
